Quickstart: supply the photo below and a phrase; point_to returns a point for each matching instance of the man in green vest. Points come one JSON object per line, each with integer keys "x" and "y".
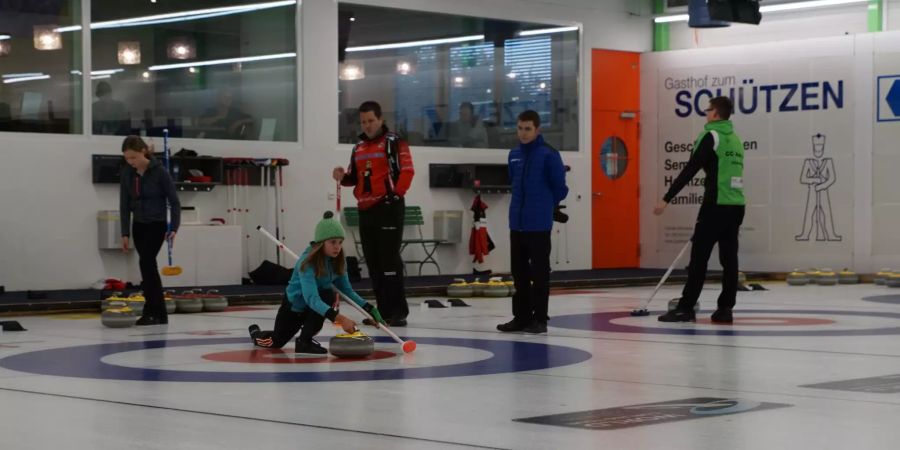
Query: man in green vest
{"x": 720, "y": 153}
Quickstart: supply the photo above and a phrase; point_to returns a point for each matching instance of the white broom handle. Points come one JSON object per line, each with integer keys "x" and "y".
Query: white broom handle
{"x": 277, "y": 242}
{"x": 668, "y": 272}
{"x": 366, "y": 313}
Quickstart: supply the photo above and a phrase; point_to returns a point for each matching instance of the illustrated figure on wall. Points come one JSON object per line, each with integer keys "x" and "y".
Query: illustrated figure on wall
{"x": 818, "y": 175}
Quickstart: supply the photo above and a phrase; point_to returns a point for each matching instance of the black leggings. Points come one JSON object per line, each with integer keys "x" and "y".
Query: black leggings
{"x": 148, "y": 238}
{"x": 381, "y": 233}
{"x": 288, "y": 322}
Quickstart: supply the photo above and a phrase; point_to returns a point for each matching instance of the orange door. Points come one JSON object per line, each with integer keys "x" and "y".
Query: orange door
{"x": 615, "y": 157}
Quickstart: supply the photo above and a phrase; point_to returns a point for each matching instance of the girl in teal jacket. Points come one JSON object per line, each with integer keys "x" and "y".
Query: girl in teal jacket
{"x": 308, "y": 299}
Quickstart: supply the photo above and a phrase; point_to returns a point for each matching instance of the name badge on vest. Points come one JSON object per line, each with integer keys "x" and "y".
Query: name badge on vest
{"x": 737, "y": 182}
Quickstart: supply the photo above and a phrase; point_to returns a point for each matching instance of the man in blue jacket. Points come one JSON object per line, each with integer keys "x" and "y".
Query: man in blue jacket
{"x": 538, "y": 179}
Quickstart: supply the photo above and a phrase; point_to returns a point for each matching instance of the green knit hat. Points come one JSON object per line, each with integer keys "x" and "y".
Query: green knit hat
{"x": 328, "y": 228}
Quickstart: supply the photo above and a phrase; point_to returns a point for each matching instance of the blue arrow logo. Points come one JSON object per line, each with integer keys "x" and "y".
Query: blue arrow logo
{"x": 888, "y": 98}
{"x": 893, "y": 98}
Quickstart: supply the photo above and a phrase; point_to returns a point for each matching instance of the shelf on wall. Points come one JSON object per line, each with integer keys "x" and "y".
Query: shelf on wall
{"x": 195, "y": 187}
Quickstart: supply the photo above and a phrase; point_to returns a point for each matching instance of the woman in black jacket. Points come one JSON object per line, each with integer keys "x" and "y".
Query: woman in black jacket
{"x": 145, "y": 188}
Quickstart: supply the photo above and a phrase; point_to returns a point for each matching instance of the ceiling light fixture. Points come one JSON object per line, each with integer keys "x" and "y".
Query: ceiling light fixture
{"x": 772, "y": 8}
{"x": 222, "y": 61}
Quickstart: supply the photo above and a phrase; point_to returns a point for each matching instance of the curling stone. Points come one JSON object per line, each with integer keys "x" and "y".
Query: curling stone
{"x": 113, "y": 301}
{"x": 214, "y": 302}
{"x": 477, "y": 288}
{"x": 512, "y": 287}
{"x": 813, "y": 275}
{"x": 123, "y": 317}
{"x": 742, "y": 278}
{"x": 673, "y": 304}
{"x": 892, "y": 280}
{"x": 495, "y": 287}
{"x": 169, "y": 299}
{"x": 882, "y": 275}
{"x": 356, "y": 345}
{"x": 827, "y": 277}
{"x": 136, "y": 302}
{"x": 797, "y": 278}
{"x": 848, "y": 276}
{"x": 459, "y": 288}
{"x": 188, "y": 302}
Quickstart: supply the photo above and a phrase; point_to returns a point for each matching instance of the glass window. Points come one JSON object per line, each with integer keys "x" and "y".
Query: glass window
{"x": 213, "y": 69}
{"x": 456, "y": 81}
{"x": 40, "y": 66}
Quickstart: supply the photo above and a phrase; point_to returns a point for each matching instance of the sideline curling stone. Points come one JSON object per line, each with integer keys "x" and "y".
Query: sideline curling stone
{"x": 113, "y": 301}
{"x": 813, "y": 275}
{"x": 188, "y": 302}
{"x": 827, "y": 277}
{"x": 848, "y": 276}
{"x": 356, "y": 345}
{"x": 214, "y": 302}
{"x": 882, "y": 275}
{"x": 477, "y": 288}
{"x": 169, "y": 301}
{"x": 742, "y": 278}
{"x": 797, "y": 278}
{"x": 512, "y": 287}
{"x": 123, "y": 317}
{"x": 893, "y": 280}
{"x": 459, "y": 288}
{"x": 136, "y": 302}
{"x": 495, "y": 287}
{"x": 673, "y": 304}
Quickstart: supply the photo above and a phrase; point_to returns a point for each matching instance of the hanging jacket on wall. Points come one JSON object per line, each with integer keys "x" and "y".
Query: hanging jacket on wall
{"x": 480, "y": 242}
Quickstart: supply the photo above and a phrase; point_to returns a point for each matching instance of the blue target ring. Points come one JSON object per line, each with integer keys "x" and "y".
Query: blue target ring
{"x": 86, "y": 362}
{"x": 603, "y": 321}
{"x": 888, "y": 299}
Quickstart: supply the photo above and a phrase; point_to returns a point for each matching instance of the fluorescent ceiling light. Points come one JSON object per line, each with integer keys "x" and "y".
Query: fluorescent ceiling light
{"x": 547, "y": 31}
{"x": 21, "y": 79}
{"x": 106, "y": 72}
{"x": 453, "y": 40}
{"x": 4, "y": 37}
{"x": 98, "y": 72}
{"x": 810, "y": 4}
{"x": 20, "y": 75}
{"x": 223, "y": 61}
{"x": 181, "y": 16}
{"x": 673, "y": 18}
{"x": 773, "y": 8}
{"x": 100, "y": 77}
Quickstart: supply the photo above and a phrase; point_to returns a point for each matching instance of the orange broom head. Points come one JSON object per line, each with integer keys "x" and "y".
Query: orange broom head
{"x": 171, "y": 271}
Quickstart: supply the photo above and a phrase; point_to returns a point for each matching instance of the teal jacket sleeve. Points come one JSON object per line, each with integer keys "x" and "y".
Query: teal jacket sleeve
{"x": 342, "y": 283}
{"x": 310, "y": 291}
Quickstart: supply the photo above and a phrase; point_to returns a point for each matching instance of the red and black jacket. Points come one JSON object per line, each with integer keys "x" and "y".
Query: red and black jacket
{"x": 379, "y": 168}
